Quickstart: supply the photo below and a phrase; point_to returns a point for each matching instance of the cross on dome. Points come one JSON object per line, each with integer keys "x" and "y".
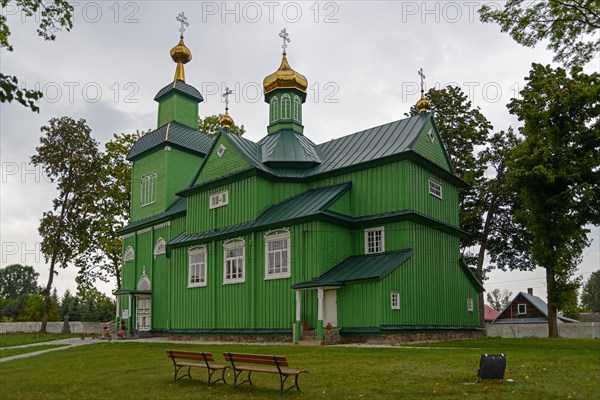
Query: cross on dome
{"x": 183, "y": 19}
{"x": 422, "y": 75}
{"x": 286, "y": 39}
{"x": 226, "y": 95}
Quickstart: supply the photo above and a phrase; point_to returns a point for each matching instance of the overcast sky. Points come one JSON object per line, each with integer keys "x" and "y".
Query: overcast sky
{"x": 360, "y": 58}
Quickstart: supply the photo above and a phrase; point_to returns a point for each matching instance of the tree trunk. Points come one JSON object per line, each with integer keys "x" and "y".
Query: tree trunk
{"x": 46, "y": 310}
{"x": 117, "y": 273}
{"x": 552, "y": 320}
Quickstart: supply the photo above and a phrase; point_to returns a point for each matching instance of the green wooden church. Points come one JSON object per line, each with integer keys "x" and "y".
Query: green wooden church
{"x": 277, "y": 238}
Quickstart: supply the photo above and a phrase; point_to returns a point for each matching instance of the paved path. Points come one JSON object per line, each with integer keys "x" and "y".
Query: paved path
{"x": 65, "y": 344}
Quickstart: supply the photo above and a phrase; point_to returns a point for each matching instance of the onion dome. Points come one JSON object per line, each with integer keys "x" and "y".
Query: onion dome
{"x": 181, "y": 55}
{"x": 226, "y": 121}
{"x": 285, "y": 78}
{"x": 423, "y": 104}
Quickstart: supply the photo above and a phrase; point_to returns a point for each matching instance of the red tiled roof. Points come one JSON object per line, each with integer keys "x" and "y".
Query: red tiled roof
{"x": 489, "y": 313}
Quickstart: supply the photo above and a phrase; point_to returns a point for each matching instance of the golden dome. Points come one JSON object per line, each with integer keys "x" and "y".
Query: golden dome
{"x": 423, "y": 104}
{"x": 226, "y": 121}
{"x": 181, "y": 55}
{"x": 285, "y": 78}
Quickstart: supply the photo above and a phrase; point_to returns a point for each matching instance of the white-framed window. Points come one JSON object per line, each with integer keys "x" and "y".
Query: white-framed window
{"x": 297, "y": 109}
{"x": 374, "y": 240}
{"x": 233, "y": 261}
{"x": 286, "y": 106}
{"x": 160, "y": 247}
{"x": 129, "y": 254}
{"x": 395, "y": 300}
{"x": 274, "y": 111}
{"x": 435, "y": 189}
{"x": 219, "y": 199}
{"x": 431, "y": 135}
{"x": 197, "y": 266}
{"x": 221, "y": 150}
{"x": 470, "y": 304}
{"x": 522, "y": 309}
{"x": 148, "y": 189}
{"x": 277, "y": 255}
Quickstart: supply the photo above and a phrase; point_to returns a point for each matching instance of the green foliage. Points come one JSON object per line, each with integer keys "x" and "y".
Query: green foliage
{"x": 211, "y": 126}
{"x": 555, "y": 172}
{"x": 89, "y": 306}
{"x": 499, "y": 299}
{"x": 21, "y": 338}
{"x": 17, "y": 280}
{"x": 590, "y": 296}
{"x": 70, "y": 158}
{"x": 570, "y": 26}
{"x": 52, "y": 15}
{"x": 102, "y": 259}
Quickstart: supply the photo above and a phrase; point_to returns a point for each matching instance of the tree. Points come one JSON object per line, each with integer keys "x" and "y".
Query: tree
{"x": 111, "y": 212}
{"x": 70, "y": 158}
{"x": 499, "y": 299}
{"x": 590, "y": 297}
{"x": 211, "y": 126}
{"x": 555, "y": 172}
{"x": 18, "y": 280}
{"x": 571, "y": 26}
{"x": 53, "y": 15}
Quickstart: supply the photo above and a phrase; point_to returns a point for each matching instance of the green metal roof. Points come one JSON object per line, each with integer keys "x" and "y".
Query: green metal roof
{"x": 179, "y": 87}
{"x": 359, "y": 268}
{"x": 179, "y": 135}
{"x": 289, "y": 149}
{"x": 304, "y": 205}
{"x": 178, "y": 207}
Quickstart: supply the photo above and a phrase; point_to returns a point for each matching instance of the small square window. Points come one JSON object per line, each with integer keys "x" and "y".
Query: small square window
{"x": 435, "y": 189}
{"x": 470, "y": 304}
{"x": 221, "y": 150}
{"x": 395, "y": 301}
{"x": 522, "y": 309}
{"x": 374, "y": 240}
{"x": 431, "y": 135}
{"x": 219, "y": 199}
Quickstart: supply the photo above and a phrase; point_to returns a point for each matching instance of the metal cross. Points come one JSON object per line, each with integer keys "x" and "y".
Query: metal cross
{"x": 226, "y": 95}
{"x": 422, "y": 75}
{"x": 183, "y": 19}
{"x": 285, "y": 36}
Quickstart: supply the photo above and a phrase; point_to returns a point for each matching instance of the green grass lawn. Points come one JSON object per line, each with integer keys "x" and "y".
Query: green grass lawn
{"x": 23, "y": 350}
{"x": 18, "y": 339}
{"x": 541, "y": 369}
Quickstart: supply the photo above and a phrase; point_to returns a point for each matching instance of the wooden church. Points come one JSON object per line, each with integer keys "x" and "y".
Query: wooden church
{"x": 277, "y": 238}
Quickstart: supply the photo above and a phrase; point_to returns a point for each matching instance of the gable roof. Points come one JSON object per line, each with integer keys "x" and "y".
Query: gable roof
{"x": 535, "y": 301}
{"x": 377, "y": 144}
{"x": 489, "y": 313}
{"x": 359, "y": 268}
{"x": 172, "y": 134}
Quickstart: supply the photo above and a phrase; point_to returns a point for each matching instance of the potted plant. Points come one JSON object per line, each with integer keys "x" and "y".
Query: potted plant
{"x": 329, "y": 326}
{"x": 120, "y": 335}
{"x": 305, "y": 325}
{"x": 81, "y": 335}
{"x": 93, "y": 335}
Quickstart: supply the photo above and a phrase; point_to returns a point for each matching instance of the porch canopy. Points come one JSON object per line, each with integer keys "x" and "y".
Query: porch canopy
{"x": 122, "y": 292}
{"x": 358, "y": 268}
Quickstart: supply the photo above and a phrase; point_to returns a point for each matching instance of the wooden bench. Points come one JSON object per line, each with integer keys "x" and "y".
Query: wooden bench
{"x": 193, "y": 359}
{"x": 239, "y": 364}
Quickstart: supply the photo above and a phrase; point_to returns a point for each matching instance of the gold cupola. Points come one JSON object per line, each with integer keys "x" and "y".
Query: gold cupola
{"x": 423, "y": 104}
{"x": 181, "y": 55}
{"x": 226, "y": 121}
{"x": 285, "y": 78}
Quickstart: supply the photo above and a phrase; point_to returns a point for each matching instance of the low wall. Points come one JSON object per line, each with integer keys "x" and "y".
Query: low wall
{"x": 55, "y": 327}
{"x": 581, "y": 330}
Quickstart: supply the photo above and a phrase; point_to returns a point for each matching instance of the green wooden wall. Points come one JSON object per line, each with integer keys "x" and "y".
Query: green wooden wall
{"x": 176, "y": 107}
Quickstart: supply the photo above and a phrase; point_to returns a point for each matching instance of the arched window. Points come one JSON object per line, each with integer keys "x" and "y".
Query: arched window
{"x": 160, "y": 247}
{"x": 277, "y": 254}
{"x": 297, "y": 109}
{"x": 144, "y": 282}
{"x": 274, "y": 111}
{"x": 286, "y": 106}
{"x": 129, "y": 254}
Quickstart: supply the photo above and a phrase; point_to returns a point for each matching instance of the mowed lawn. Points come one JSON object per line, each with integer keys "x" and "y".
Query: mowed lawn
{"x": 541, "y": 369}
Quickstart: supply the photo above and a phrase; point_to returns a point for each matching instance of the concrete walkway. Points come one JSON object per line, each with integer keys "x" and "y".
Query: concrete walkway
{"x": 64, "y": 344}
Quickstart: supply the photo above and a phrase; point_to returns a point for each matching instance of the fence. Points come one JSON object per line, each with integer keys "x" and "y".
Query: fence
{"x": 581, "y": 330}
{"x": 56, "y": 327}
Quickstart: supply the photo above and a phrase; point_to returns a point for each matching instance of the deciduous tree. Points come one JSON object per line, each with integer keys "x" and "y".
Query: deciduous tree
{"x": 70, "y": 158}
{"x": 556, "y": 173}
{"x": 499, "y": 299}
{"x": 211, "y": 126}
{"x": 18, "y": 280}
{"x": 570, "y": 26}
{"x": 52, "y": 15}
{"x": 590, "y": 296}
